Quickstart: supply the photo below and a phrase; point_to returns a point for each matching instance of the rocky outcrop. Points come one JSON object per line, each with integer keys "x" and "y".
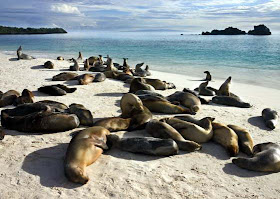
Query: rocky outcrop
{"x": 260, "y": 30}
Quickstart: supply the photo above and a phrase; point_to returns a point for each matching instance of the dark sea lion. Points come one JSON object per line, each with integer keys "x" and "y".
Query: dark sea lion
{"x": 266, "y": 158}
{"x": 186, "y": 99}
{"x": 125, "y": 63}
{"x": 139, "y": 84}
{"x": 26, "y": 97}
{"x": 139, "y": 71}
{"x": 145, "y": 145}
{"x": 208, "y": 76}
{"x": 21, "y": 55}
{"x": 224, "y": 88}
{"x": 270, "y": 118}
{"x": 93, "y": 59}
{"x": 245, "y": 140}
{"x": 1, "y": 94}
{"x": 147, "y": 92}
{"x": 67, "y": 89}
{"x": 80, "y": 57}
{"x": 148, "y": 73}
{"x": 54, "y": 105}
{"x": 99, "y": 77}
{"x": 56, "y": 90}
{"x": 202, "y": 89}
{"x": 97, "y": 67}
{"x": 83, "y": 150}
{"x": 226, "y": 137}
{"x": 65, "y": 76}
{"x": 75, "y": 67}
{"x": 2, "y": 134}
{"x": 230, "y": 101}
{"x": 163, "y": 130}
{"x": 49, "y": 65}
{"x": 60, "y": 58}
{"x": 86, "y": 79}
{"x": 100, "y": 59}
{"x": 83, "y": 114}
{"x": 8, "y": 98}
{"x": 158, "y": 84}
{"x": 202, "y": 100}
{"x": 192, "y": 131}
{"x": 114, "y": 123}
{"x": 37, "y": 118}
{"x": 86, "y": 65}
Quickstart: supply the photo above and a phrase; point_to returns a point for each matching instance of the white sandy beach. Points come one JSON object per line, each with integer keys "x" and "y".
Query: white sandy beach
{"x": 31, "y": 165}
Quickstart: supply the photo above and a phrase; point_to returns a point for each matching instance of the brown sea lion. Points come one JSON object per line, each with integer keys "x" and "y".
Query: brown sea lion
{"x": 83, "y": 150}
{"x": 163, "y": 130}
{"x": 202, "y": 89}
{"x": 186, "y": 99}
{"x": 208, "y": 76}
{"x": 224, "y": 88}
{"x": 110, "y": 65}
{"x": 245, "y": 140}
{"x": 65, "y": 76}
{"x": 21, "y": 55}
{"x": 8, "y": 98}
{"x": 93, "y": 59}
{"x": 158, "y": 84}
{"x": 86, "y": 65}
{"x": 200, "y": 122}
{"x": 83, "y": 114}
{"x": 202, "y": 100}
{"x": 75, "y": 67}
{"x": 139, "y": 84}
{"x": 114, "y": 123}
{"x": 230, "y": 101}
{"x": 145, "y": 145}
{"x": 60, "y": 58}
{"x": 270, "y": 118}
{"x": 191, "y": 131}
{"x": 26, "y": 97}
{"x": 226, "y": 137}
{"x": 128, "y": 102}
{"x": 266, "y": 158}
{"x": 139, "y": 118}
{"x": 85, "y": 79}
{"x": 49, "y": 65}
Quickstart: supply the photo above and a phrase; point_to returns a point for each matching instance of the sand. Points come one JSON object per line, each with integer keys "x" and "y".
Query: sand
{"x": 32, "y": 164}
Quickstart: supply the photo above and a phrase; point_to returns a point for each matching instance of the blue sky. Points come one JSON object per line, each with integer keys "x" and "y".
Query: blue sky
{"x": 134, "y": 15}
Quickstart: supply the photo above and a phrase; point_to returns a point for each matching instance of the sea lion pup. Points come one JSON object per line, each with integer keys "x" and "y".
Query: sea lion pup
{"x": 147, "y": 92}
{"x": 266, "y": 158}
{"x": 224, "y": 88}
{"x": 86, "y": 79}
{"x": 99, "y": 77}
{"x": 226, "y": 137}
{"x": 245, "y": 140}
{"x": 208, "y": 76}
{"x": 20, "y": 55}
{"x": 8, "y": 98}
{"x": 139, "y": 84}
{"x": 83, "y": 150}
{"x": 2, "y": 134}
{"x": 145, "y": 145}
{"x": 163, "y": 130}
{"x": 54, "y": 105}
{"x": 158, "y": 84}
{"x": 75, "y": 67}
{"x": 114, "y": 123}
{"x": 80, "y": 57}
{"x": 191, "y": 131}
{"x": 65, "y": 76}
{"x": 37, "y": 117}
{"x": 160, "y": 105}
{"x": 86, "y": 65}
{"x": 49, "y": 65}
{"x": 230, "y": 101}
{"x": 148, "y": 73}
{"x": 186, "y": 99}
{"x": 83, "y": 114}
{"x": 60, "y": 58}
{"x": 26, "y": 97}
{"x": 270, "y": 117}
{"x": 203, "y": 90}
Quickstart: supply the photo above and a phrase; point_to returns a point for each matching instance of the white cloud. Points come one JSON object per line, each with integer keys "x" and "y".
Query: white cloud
{"x": 64, "y": 8}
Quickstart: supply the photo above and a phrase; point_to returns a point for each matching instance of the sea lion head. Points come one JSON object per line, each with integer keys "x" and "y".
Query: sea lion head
{"x": 207, "y": 72}
{"x": 76, "y": 174}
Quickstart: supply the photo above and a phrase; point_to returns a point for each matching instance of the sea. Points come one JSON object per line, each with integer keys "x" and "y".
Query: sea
{"x": 248, "y": 59}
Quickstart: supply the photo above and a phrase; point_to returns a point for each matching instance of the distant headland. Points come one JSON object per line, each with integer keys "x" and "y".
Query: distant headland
{"x": 258, "y": 30}
{"x": 22, "y": 31}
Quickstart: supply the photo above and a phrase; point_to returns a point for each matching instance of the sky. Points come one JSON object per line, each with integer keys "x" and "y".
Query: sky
{"x": 193, "y": 16}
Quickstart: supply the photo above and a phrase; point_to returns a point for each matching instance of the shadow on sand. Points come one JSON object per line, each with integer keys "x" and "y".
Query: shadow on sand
{"x": 258, "y": 122}
{"x": 13, "y": 59}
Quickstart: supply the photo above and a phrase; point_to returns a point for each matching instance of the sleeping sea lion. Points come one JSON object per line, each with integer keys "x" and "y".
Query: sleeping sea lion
{"x": 54, "y": 105}
{"x": 83, "y": 114}
{"x": 65, "y": 76}
{"x": 266, "y": 158}
{"x": 145, "y": 145}
{"x": 49, "y": 65}
{"x": 163, "y": 130}
{"x": 83, "y": 150}
{"x": 75, "y": 67}
{"x": 202, "y": 100}
{"x": 85, "y": 79}
{"x": 114, "y": 123}
{"x": 99, "y": 77}
{"x": 139, "y": 84}
{"x": 230, "y": 101}
{"x": 245, "y": 140}
{"x": 226, "y": 137}
{"x": 26, "y": 97}
{"x": 202, "y": 89}
{"x": 158, "y": 84}
{"x": 270, "y": 118}
{"x": 8, "y": 98}
{"x": 56, "y": 90}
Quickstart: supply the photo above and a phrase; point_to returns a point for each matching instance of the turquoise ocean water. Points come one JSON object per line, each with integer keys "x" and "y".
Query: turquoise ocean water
{"x": 248, "y": 59}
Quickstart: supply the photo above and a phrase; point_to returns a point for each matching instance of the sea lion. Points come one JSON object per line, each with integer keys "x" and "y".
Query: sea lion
{"x": 49, "y": 65}
{"x": 230, "y": 101}
{"x": 202, "y": 100}
{"x": 101, "y": 59}
{"x": 114, "y": 123}
{"x": 245, "y": 140}
{"x": 110, "y": 65}
{"x": 208, "y": 76}
{"x": 163, "y": 130}
{"x": 128, "y": 102}
{"x": 160, "y": 105}
{"x": 37, "y": 117}
{"x": 191, "y": 131}
{"x": 202, "y": 89}
{"x": 93, "y": 59}
{"x": 147, "y": 92}
{"x": 26, "y": 97}
{"x": 158, "y": 84}
{"x": 270, "y": 118}
{"x": 65, "y": 76}
{"x": 200, "y": 122}
{"x": 139, "y": 71}
{"x": 60, "y": 58}
{"x": 145, "y": 145}
{"x": 266, "y": 158}
{"x": 2, "y": 134}
{"x": 125, "y": 65}
{"x": 139, "y": 84}
{"x": 83, "y": 150}
{"x": 80, "y": 57}
{"x": 226, "y": 137}
{"x": 8, "y": 98}
{"x": 54, "y": 105}
{"x": 83, "y": 114}
{"x": 75, "y": 67}
{"x": 139, "y": 118}
{"x": 148, "y": 73}
{"x": 224, "y": 88}
{"x": 186, "y": 99}
{"x": 86, "y": 65}
{"x": 85, "y": 79}
{"x": 99, "y": 77}
{"x": 67, "y": 89}
{"x": 56, "y": 90}
{"x": 20, "y": 55}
